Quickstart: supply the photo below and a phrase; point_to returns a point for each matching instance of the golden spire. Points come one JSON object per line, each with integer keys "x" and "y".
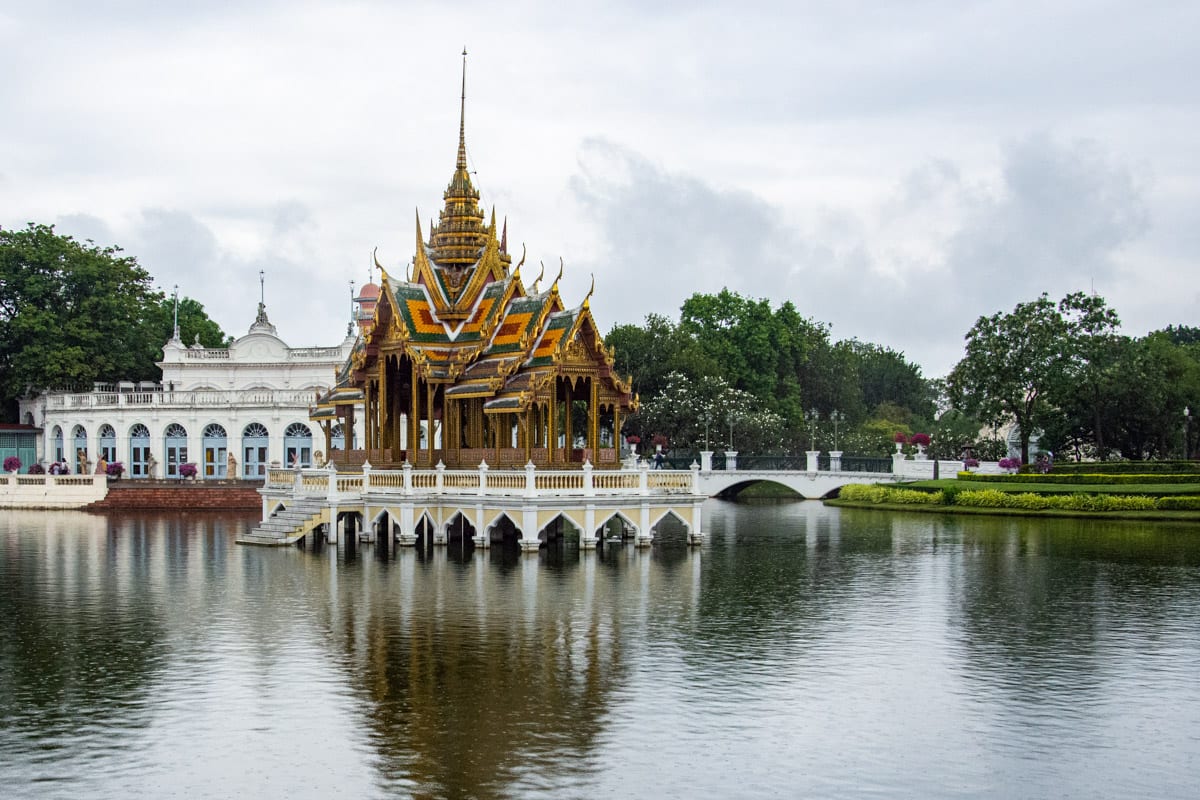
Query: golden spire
{"x": 462, "y": 118}
{"x": 459, "y": 237}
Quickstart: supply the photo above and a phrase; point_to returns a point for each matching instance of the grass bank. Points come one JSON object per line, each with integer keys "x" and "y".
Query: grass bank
{"x": 1173, "y": 503}
{"x": 1144, "y": 516}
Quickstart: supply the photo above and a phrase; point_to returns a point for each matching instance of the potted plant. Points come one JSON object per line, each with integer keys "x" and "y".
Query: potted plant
{"x": 115, "y": 470}
{"x": 633, "y": 440}
{"x": 187, "y": 471}
{"x": 37, "y": 469}
{"x": 901, "y": 439}
{"x": 12, "y": 464}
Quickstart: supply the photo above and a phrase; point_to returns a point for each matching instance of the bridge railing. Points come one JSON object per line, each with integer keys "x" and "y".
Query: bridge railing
{"x": 486, "y": 481}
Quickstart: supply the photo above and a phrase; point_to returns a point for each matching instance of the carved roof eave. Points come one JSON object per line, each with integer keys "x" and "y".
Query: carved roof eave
{"x": 423, "y": 273}
{"x": 489, "y": 266}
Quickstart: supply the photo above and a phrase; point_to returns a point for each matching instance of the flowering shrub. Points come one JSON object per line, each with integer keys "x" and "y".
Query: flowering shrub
{"x": 633, "y": 439}
{"x": 921, "y": 439}
{"x": 115, "y": 470}
{"x": 900, "y": 438}
{"x": 659, "y": 441}
{"x": 1010, "y": 463}
{"x": 187, "y": 470}
{"x": 970, "y": 462}
{"x": 37, "y": 469}
{"x": 12, "y": 464}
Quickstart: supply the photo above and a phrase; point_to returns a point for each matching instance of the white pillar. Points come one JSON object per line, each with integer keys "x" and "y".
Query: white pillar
{"x": 408, "y": 525}
{"x": 811, "y": 460}
{"x": 644, "y": 536}
{"x": 697, "y": 534}
{"x": 706, "y": 460}
{"x": 835, "y": 460}
{"x": 731, "y": 459}
{"x": 588, "y": 491}
{"x": 587, "y": 537}
{"x": 529, "y": 529}
{"x": 530, "y": 480}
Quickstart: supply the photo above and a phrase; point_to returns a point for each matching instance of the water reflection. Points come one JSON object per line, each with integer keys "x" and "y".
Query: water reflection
{"x": 802, "y": 650}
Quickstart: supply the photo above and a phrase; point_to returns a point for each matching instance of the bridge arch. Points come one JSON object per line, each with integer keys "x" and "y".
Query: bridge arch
{"x": 734, "y": 489}
{"x": 502, "y": 529}
{"x": 555, "y": 528}
{"x": 458, "y": 527}
{"x": 669, "y": 516}
{"x": 626, "y": 523}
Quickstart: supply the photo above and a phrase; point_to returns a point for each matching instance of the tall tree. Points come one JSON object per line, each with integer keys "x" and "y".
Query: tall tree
{"x": 72, "y": 313}
{"x": 1012, "y": 364}
{"x": 1091, "y": 347}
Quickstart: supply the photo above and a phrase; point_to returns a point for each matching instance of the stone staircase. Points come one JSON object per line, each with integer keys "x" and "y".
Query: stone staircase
{"x": 286, "y": 526}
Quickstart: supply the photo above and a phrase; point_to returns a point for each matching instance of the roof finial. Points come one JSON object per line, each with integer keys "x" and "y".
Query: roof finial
{"x": 462, "y": 117}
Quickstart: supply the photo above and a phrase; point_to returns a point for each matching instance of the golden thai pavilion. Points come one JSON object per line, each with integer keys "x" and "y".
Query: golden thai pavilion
{"x": 462, "y": 363}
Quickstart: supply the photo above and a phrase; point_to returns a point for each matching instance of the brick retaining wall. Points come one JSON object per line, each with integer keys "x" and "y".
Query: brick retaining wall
{"x": 181, "y": 496}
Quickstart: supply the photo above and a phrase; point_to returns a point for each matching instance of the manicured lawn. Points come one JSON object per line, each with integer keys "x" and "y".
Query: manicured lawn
{"x": 1148, "y": 516}
{"x": 1147, "y": 489}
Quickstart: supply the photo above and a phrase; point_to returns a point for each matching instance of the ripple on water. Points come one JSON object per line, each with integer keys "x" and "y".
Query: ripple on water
{"x": 802, "y": 651}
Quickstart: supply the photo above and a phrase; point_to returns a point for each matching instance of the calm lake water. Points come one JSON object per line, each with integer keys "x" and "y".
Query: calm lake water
{"x": 802, "y": 651}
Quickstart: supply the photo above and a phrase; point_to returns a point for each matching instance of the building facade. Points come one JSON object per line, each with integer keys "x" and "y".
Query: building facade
{"x": 232, "y": 412}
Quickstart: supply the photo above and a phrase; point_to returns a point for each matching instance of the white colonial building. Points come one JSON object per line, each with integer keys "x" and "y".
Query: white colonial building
{"x": 242, "y": 408}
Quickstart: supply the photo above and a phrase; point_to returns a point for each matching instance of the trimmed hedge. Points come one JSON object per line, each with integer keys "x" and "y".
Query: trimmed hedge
{"x": 861, "y": 493}
{"x": 1082, "y": 477}
{"x": 1126, "y": 468}
{"x": 992, "y": 498}
{"x": 1029, "y": 501}
{"x": 1178, "y": 503}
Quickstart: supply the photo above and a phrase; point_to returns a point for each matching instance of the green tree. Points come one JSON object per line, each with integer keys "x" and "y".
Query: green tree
{"x": 649, "y": 353}
{"x": 1012, "y": 364}
{"x": 72, "y": 313}
{"x": 756, "y": 349}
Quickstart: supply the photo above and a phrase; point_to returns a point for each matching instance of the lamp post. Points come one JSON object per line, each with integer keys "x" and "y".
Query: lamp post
{"x": 810, "y": 419}
{"x": 1187, "y": 433}
{"x": 175, "y": 294}
{"x": 837, "y": 418}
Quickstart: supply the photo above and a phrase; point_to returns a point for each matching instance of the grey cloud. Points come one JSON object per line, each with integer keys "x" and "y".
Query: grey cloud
{"x": 1058, "y": 215}
{"x": 1058, "y": 218}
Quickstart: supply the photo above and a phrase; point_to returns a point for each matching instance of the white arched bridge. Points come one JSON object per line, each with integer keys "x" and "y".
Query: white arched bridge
{"x": 531, "y": 505}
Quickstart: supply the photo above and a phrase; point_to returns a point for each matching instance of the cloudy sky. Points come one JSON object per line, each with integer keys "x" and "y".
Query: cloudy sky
{"x": 893, "y": 169}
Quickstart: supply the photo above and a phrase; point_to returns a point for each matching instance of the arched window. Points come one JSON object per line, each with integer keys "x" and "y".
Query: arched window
{"x": 216, "y": 454}
{"x": 255, "y": 441}
{"x": 337, "y": 437}
{"x": 108, "y": 443}
{"x": 297, "y": 445}
{"x": 79, "y": 449}
{"x": 139, "y": 452}
{"x": 175, "y": 442}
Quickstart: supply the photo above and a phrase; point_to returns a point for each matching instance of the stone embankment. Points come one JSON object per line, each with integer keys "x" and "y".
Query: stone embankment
{"x": 144, "y": 495}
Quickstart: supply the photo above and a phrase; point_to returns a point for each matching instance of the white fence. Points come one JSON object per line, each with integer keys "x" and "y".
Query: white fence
{"x": 483, "y": 482}
{"x": 51, "y": 491}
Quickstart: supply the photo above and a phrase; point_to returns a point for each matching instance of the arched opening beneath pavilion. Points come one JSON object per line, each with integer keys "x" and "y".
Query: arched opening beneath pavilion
{"x": 459, "y": 529}
{"x": 503, "y": 531}
{"x": 670, "y": 530}
{"x": 615, "y": 529}
{"x": 560, "y": 529}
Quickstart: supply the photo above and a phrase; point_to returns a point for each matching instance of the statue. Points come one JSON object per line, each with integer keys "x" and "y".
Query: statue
{"x": 151, "y": 465}
{"x": 231, "y": 465}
